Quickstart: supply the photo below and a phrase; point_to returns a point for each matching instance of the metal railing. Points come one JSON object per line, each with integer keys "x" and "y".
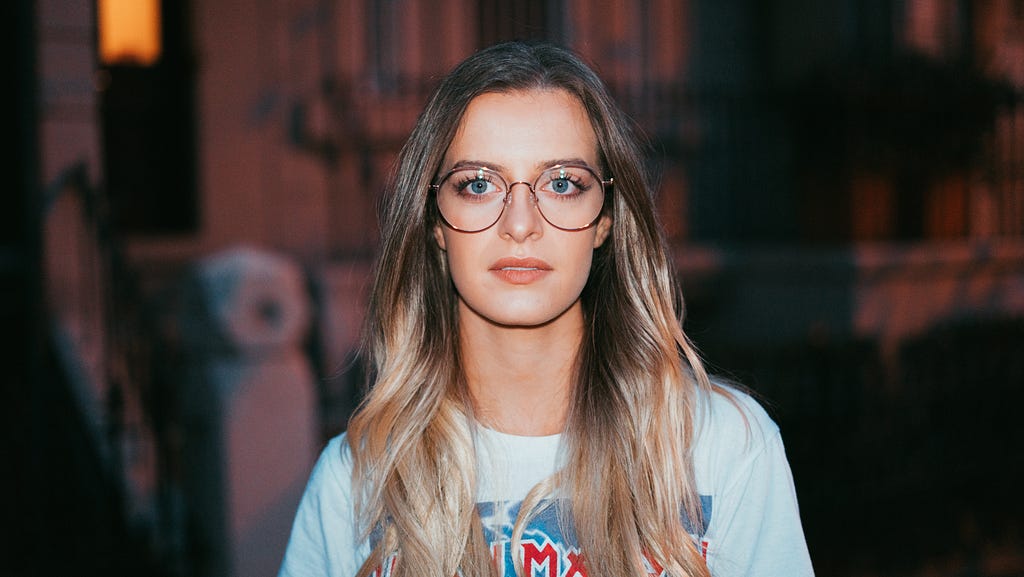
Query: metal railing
{"x": 105, "y": 345}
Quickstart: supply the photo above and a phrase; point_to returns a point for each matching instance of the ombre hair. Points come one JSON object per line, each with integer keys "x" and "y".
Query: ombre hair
{"x": 628, "y": 469}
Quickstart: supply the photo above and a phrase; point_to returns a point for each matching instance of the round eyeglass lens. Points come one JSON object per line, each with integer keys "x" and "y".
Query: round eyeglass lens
{"x": 569, "y": 197}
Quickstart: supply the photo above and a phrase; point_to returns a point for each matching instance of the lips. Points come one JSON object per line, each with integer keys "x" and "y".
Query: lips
{"x": 520, "y": 270}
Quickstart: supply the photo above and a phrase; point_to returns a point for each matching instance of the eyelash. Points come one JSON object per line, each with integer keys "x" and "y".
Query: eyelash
{"x": 576, "y": 181}
{"x": 462, "y": 184}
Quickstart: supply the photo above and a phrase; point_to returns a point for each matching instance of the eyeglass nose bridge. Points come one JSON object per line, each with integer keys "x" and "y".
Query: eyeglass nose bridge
{"x": 507, "y": 202}
{"x": 508, "y": 195}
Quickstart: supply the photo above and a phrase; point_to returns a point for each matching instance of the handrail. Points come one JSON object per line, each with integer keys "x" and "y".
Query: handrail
{"x": 102, "y": 335}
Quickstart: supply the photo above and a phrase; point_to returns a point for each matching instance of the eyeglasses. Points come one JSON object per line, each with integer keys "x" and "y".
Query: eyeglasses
{"x": 473, "y": 198}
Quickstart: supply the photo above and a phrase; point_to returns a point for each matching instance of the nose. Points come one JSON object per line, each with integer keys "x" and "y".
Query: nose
{"x": 521, "y": 219}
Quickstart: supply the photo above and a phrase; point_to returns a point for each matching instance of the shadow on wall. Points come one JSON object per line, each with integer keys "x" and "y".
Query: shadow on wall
{"x": 907, "y": 466}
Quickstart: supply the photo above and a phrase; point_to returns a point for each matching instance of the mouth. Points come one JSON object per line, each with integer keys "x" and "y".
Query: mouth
{"x": 520, "y": 264}
{"x": 520, "y": 271}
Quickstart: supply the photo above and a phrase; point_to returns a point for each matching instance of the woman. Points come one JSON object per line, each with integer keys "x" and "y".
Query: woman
{"x": 535, "y": 407}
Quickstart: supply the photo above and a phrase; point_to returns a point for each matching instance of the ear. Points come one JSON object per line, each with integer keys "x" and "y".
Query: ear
{"x": 439, "y": 237}
{"x": 603, "y": 229}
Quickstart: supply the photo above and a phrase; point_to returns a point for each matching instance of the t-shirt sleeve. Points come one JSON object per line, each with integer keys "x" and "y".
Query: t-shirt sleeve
{"x": 756, "y": 529}
{"x": 324, "y": 541}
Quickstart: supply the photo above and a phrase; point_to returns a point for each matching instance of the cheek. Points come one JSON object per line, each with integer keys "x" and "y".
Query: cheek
{"x": 577, "y": 259}
{"x": 460, "y": 263}
{"x": 585, "y": 261}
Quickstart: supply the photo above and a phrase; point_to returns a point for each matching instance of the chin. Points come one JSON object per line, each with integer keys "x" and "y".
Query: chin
{"x": 527, "y": 317}
{"x": 523, "y": 323}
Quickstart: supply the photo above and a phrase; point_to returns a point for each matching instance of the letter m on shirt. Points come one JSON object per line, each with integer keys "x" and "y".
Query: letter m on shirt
{"x": 535, "y": 560}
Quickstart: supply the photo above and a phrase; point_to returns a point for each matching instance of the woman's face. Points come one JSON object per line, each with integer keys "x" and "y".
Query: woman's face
{"x": 522, "y": 271}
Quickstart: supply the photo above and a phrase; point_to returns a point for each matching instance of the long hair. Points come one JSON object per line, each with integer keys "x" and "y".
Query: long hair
{"x": 628, "y": 471}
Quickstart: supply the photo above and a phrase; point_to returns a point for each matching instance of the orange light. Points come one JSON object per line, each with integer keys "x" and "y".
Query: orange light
{"x": 129, "y": 31}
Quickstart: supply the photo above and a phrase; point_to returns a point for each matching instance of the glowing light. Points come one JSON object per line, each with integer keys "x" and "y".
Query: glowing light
{"x": 129, "y": 31}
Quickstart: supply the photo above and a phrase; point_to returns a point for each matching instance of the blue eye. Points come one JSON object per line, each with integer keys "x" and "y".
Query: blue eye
{"x": 566, "y": 181}
{"x": 478, "y": 186}
{"x": 472, "y": 184}
{"x": 561, "y": 185}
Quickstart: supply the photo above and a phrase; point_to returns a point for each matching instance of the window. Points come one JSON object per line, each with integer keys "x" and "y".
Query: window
{"x": 147, "y": 117}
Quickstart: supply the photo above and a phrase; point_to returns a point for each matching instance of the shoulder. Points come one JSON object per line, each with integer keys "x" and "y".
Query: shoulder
{"x": 731, "y": 429}
{"x": 327, "y": 502}
{"x": 328, "y": 495}
{"x": 325, "y": 539}
{"x": 752, "y": 520}
{"x": 333, "y": 469}
{"x": 729, "y": 413}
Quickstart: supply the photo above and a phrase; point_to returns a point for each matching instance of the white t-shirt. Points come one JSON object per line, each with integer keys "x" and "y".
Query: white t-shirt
{"x": 751, "y": 524}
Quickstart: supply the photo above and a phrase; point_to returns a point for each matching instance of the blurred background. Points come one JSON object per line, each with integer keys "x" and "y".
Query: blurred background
{"x": 191, "y": 220}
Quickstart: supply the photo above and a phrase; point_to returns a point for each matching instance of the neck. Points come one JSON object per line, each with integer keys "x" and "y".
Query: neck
{"x": 520, "y": 378}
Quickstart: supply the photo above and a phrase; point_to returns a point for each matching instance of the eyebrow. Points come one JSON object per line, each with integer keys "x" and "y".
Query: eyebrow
{"x": 504, "y": 170}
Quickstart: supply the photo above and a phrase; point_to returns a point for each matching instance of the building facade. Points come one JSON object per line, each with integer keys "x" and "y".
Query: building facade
{"x": 828, "y": 172}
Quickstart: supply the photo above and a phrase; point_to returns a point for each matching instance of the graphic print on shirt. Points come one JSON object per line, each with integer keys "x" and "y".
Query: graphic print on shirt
{"x": 546, "y": 550}
{"x": 549, "y": 547}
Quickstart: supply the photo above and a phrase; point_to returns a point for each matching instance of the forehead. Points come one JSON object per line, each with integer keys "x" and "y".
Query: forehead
{"x": 524, "y": 129}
